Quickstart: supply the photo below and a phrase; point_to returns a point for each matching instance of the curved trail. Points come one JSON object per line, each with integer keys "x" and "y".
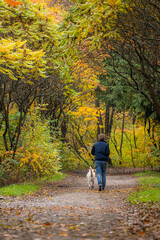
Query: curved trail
{"x": 68, "y": 210}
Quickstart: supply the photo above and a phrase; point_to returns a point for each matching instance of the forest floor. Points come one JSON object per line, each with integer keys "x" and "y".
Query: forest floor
{"x": 67, "y": 210}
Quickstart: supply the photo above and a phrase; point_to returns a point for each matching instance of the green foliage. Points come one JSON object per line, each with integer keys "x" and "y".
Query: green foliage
{"x": 148, "y": 190}
{"x": 18, "y": 189}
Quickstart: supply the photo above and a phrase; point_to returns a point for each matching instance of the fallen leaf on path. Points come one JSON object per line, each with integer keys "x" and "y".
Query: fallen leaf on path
{"x": 141, "y": 234}
{"x": 47, "y": 224}
{"x": 63, "y": 234}
{"x": 73, "y": 227}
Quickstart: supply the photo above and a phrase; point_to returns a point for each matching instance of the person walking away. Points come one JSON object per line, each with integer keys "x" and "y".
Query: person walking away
{"x": 101, "y": 152}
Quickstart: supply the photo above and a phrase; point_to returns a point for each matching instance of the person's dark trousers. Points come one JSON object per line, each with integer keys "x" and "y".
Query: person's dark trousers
{"x": 101, "y": 167}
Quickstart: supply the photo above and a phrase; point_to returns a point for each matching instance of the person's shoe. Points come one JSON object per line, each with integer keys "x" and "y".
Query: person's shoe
{"x": 100, "y": 187}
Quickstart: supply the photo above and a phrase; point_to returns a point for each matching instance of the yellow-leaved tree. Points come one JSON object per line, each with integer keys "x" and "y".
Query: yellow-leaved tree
{"x": 28, "y": 69}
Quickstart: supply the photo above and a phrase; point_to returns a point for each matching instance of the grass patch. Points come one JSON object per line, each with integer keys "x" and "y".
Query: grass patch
{"x": 28, "y": 188}
{"x": 18, "y": 189}
{"x": 148, "y": 190}
{"x": 147, "y": 173}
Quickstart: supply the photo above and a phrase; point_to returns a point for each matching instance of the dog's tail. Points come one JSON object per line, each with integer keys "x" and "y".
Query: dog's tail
{"x": 91, "y": 170}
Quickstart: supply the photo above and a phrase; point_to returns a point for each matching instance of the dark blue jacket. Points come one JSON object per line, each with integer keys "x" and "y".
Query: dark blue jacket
{"x": 101, "y": 151}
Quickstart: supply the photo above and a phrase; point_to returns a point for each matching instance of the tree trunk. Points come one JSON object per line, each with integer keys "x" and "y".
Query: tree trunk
{"x": 109, "y": 121}
{"x": 120, "y": 151}
{"x": 98, "y": 123}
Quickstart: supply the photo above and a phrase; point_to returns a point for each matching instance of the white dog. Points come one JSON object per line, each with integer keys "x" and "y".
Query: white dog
{"x": 91, "y": 177}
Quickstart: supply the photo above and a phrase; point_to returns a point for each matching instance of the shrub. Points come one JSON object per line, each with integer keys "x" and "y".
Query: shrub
{"x": 37, "y": 154}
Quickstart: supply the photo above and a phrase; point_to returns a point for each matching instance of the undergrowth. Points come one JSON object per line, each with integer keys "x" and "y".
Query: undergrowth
{"x": 55, "y": 177}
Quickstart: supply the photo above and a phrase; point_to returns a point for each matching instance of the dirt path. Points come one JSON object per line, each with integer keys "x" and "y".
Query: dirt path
{"x": 68, "y": 210}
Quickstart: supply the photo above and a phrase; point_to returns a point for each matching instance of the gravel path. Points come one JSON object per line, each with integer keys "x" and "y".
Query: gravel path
{"x": 67, "y": 210}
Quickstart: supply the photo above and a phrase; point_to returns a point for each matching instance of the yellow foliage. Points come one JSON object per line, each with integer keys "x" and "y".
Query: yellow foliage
{"x": 30, "y": 158}
{"x": 38, "y": 151}
{"x": 14, "y": 55}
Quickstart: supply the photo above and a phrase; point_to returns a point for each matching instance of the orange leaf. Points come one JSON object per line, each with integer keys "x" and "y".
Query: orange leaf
{"x": 63, "y": 234}
{"x": 46, "y": 224}
{"x": 146, "y": 222}
{"x": 13, "y": 3}
{"x": 141, "y": 234}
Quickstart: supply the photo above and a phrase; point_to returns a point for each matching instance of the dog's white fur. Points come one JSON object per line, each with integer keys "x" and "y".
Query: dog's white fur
{"x": 91, "y": 177}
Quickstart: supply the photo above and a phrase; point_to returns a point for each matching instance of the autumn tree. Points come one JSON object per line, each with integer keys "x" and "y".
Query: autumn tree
{"x": 29, "y": 61}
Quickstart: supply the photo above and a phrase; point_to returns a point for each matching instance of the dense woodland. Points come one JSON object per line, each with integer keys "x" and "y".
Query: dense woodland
{"x": 72, "y": 70}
